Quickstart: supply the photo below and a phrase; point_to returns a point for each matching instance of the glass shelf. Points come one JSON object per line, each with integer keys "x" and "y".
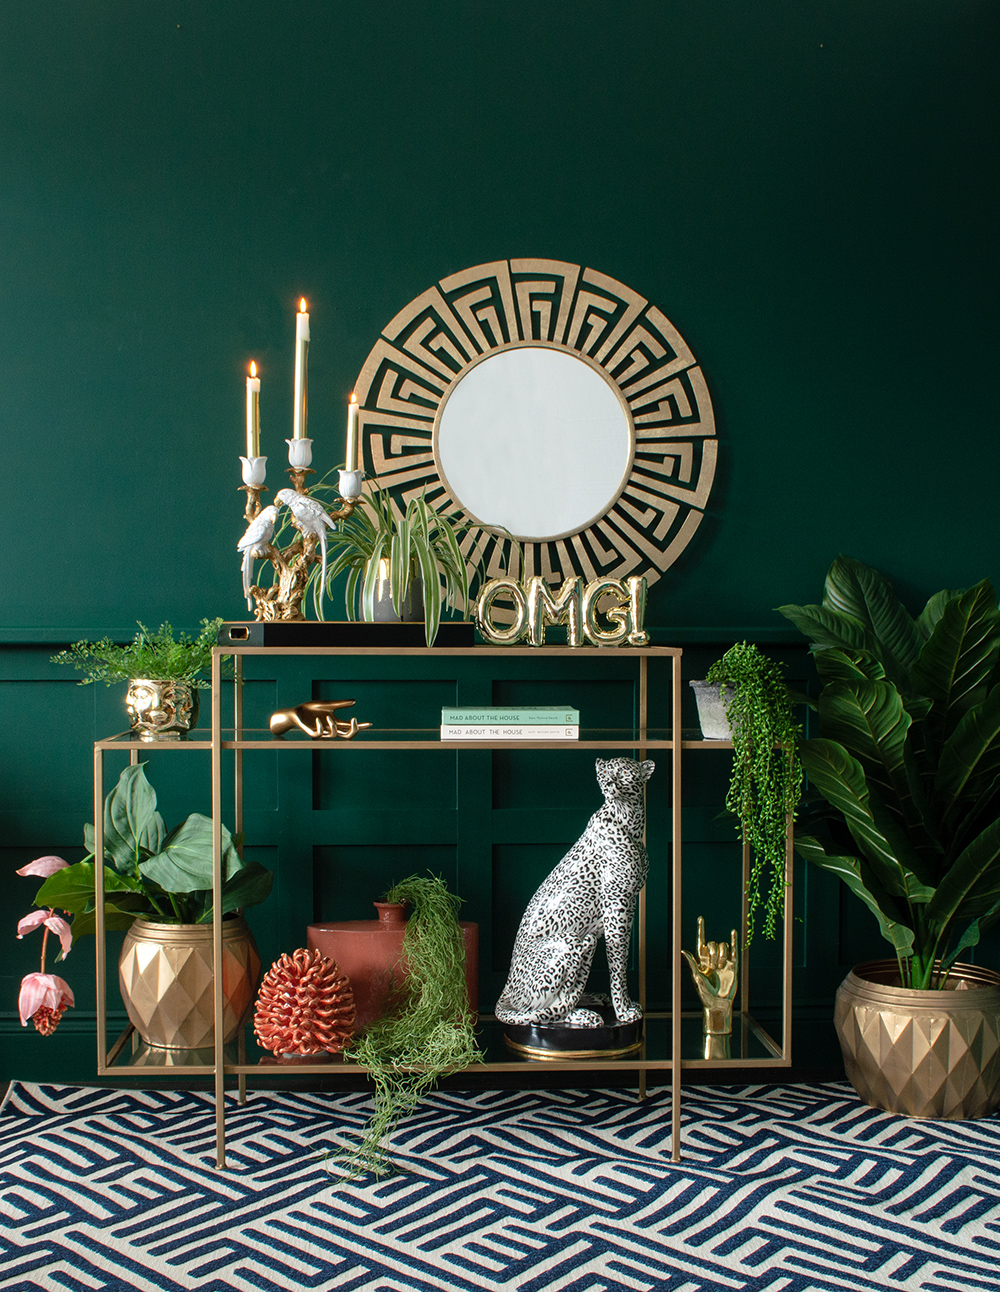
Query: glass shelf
{"x": 420, "y": 738}
{"x": 749, "y": 1046}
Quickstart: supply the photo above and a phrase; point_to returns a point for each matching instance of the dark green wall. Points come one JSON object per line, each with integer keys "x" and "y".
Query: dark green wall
{"x": 808, "y": 191}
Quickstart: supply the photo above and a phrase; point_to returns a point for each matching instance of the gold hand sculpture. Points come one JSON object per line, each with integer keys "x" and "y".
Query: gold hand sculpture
{"x": 714, "y": 973}
{"x": 316, "y": 719}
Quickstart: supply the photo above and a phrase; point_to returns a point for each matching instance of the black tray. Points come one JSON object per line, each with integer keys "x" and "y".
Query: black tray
{"x": 342, "y": 632}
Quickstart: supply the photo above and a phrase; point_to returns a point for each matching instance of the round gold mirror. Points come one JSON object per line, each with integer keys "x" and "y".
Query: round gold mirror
{"x": 549, "y": 400}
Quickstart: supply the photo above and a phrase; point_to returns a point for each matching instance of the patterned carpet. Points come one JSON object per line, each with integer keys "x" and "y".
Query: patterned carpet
{"x": 783, "y": 1189}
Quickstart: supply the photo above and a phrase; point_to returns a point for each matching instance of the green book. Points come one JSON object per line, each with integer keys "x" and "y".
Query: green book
{"x": 535, "y": 715}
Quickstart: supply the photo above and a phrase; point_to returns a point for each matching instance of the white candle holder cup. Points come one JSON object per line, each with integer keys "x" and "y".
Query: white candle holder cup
{"x": 300, "y": 453}
{"x": 350, "y": 485}
{"x": 254, "y": 471}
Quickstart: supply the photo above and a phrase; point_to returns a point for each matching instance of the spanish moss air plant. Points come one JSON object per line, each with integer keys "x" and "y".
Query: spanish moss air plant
{"x": 430, "y": 1033}
{"x": 766, "y": 782}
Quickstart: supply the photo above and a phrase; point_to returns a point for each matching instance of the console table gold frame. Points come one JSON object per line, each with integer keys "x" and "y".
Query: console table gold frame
{"x": 640, "y": 741}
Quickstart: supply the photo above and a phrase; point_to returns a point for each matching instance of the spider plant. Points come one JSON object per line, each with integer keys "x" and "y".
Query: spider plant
{"x": 376, "y": 542}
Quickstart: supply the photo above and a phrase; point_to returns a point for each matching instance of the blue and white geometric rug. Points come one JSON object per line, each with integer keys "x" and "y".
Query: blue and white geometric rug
{"x": 783, "y": 1189}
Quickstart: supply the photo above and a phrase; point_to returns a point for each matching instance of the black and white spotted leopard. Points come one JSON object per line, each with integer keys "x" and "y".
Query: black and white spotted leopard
{"x": 593, "y": 890}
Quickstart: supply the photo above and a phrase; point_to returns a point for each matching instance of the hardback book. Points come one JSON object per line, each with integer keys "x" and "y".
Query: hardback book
{"x": 533, "y": 715}
{"x": 510, "y": 731}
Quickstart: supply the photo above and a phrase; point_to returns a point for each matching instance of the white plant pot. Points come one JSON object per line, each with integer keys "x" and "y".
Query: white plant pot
{"x": 713, "y": 703}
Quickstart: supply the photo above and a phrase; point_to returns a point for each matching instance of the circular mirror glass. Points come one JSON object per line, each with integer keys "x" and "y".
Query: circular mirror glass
{"x": 536, "y": 440}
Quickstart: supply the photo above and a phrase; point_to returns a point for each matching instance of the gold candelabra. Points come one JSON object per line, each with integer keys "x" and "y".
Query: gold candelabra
{"x": 282, "y": 600}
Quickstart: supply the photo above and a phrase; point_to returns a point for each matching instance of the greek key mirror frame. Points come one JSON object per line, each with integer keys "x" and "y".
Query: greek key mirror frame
{"x": 434, "y": 340}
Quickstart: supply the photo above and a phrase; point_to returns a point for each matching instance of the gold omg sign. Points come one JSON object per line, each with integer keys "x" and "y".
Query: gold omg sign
{"x": 575, "y": 605}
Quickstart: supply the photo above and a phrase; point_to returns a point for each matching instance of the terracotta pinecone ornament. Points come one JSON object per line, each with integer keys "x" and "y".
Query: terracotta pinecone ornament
{"x": 305, "y": 1006}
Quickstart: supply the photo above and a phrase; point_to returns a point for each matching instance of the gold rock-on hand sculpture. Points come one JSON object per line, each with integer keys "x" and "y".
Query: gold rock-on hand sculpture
{"x": 715, "y": 972}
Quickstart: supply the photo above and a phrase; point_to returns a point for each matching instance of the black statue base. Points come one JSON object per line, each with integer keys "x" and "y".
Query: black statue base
{"x": 553, "y": 1041}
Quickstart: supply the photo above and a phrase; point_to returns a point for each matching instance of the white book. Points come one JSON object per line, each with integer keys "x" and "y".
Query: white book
{"x": 510, "y": 731}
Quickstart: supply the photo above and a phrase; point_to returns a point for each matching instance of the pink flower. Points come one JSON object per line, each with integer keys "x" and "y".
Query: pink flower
{"x": 43, "y": 866}
{"x": 56, "y": 923}
{"x": 43, "y": 999}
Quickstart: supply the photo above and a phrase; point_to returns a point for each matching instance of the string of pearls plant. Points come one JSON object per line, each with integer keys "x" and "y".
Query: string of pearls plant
{"x": 766, "y": 782}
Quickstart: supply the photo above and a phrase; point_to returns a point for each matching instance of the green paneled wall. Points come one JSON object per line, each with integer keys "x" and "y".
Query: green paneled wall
{"x": 806, "y": 190}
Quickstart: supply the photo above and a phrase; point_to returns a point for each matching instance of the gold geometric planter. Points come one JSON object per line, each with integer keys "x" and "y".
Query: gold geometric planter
{"x": 166, "y": 979}
{"x": 922, "y": 1053}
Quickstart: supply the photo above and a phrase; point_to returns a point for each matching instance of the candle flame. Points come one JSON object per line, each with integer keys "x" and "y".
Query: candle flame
{"x": 253, "y": 369}
{"x": 354, "y": 398}
{"x": 302, "y": 305}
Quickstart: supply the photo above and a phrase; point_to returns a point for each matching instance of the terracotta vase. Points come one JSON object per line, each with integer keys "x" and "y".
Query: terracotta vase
{"x": 370, "y": 953}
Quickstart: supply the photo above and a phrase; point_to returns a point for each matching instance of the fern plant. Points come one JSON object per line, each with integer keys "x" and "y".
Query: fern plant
{"x": 766, "y": 782}
{"x": 156, "y": 654}
{"x": 432, "y": 1032}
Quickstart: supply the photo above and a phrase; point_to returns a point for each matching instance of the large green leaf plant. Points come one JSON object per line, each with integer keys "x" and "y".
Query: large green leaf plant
{"x": 151, "y": 873}
{"x": 907, "y": 766}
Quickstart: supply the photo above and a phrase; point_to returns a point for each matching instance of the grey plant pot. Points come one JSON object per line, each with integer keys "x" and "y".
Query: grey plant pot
{"x": 413, "y": 605}
{"x": 713, "y": 702}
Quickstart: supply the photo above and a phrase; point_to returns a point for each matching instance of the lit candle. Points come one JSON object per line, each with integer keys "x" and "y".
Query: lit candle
{"x": 301, "y": 361}
{"x": 352, "y": 462}
{"x": 253, "y": 413}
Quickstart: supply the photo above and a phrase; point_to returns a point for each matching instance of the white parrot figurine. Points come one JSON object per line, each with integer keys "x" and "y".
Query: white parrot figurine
{"x": 310, "y": 518}
{"x": 254, "y": 543}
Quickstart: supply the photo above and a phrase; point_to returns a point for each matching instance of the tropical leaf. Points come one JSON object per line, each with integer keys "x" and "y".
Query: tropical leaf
{"x": 151, "y": 839}
{"x": 85, "y": 922}
{"x": 957, "y": 660}
{"x": 970, "y": 937}
{"x": 185, "y": 863}
{"x": 932, "y": 612}
{"x": 885, "y": 908}
{"x": 857, "y": 590}
{"x": 840, "y": 778}
{"x": 250, "y": 885}
{"x": 73, "y": 888}
{"x": 835, "y": 665}
{"x": 869, "y": 720}
{"x": 120, "y": 849}
{"x": 969, "y": 766}
{"x": 827, "y": 629}
{"x": 972, "y": 884}
{"x": 133, "y": 803}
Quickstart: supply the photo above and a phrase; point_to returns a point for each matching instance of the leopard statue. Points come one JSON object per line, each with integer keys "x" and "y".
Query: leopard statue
{"x": 593, "y": 890}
